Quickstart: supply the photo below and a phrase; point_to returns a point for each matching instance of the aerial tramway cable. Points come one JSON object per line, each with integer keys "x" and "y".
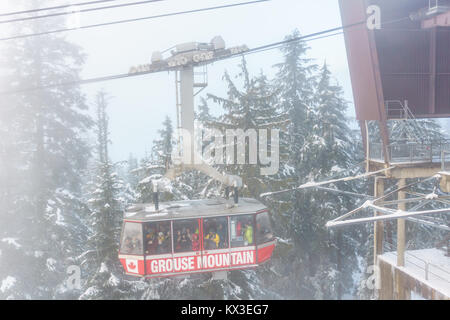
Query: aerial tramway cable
{"x": 54, "y": 8}
{"x": 57, "y": 14}
{"x": 131, "y": 20}
{"x": 271, "y": 46}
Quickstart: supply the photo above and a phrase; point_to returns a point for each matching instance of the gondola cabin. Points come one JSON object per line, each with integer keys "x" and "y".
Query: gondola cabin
{"x": 185, "y": 237}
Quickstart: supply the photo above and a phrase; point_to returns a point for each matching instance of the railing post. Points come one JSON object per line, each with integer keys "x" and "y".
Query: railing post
{"x": 448, "y": 247}
{"x": 443, "y": 152}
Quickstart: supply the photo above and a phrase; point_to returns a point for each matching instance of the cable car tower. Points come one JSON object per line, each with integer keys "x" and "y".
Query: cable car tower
{"x": 185, "y": 58}
{"x": 194, "y": 236}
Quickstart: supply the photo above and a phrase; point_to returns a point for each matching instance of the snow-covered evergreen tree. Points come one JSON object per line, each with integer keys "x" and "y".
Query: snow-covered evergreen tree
{"x": 320, "y": 147}
{"x": 154, "y": 167}
{"x": 252, "y": 107}
{"x": 105, "y": 277}
{"x": 43, "y": 154}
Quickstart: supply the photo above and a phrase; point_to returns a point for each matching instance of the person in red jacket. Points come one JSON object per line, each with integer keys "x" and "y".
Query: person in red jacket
{"x": 195, "y": 242}
{"x": 239, "y": 229}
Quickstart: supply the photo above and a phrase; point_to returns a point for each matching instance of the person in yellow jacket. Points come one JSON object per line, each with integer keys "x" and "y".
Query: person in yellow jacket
{"x": 248, "y": 234}
{"x": 214, "y": 240}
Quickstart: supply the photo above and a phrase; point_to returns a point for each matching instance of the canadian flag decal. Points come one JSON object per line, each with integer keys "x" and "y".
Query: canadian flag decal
{"x": 132, "y": 265}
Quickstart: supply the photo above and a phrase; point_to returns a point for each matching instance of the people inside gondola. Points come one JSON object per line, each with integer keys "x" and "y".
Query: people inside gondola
{"x": 212, "y": 240}
{"x": 178, "y": 241}
{"x": 189, "y": 234}
{"x": 150, "y": 232}
{"x": 221, "y": 231}
{"x": 165, "y": 230}
{"x": 167, "y": 245}
{"x": 195, "y": 242}
{"x": 152, "y": 243}
{"x": 239, "y": 228}
{"x": 137, "y": 244}
{"x": 164, "y": 239}
{"x": 185, "y": 242}
{"x": 161, "y": 240}
{"x": 128, "y": 245}
{"x": 248, "y": 233}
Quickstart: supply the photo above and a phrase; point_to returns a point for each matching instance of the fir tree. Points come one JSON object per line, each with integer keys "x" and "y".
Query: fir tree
{"x": 44, "y": 153}
{"x": 296, "y": 81}
{"x": 105, "y": 277}
{"x": 154, "y": 167}
{"x": 253, "y": 108}
{"x": 319, "y": 148}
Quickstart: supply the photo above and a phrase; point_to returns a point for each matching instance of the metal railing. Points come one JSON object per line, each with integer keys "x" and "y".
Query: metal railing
{"x": 445, "y": 160}
{"x": 411, "y": 152}
{"x": 437, "y": 6}
{"x": 397, "y": 109}
{"x": 430, "y": 270}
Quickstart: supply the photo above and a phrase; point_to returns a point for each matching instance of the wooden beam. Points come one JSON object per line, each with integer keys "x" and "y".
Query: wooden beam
{"x": 378, "y": 231}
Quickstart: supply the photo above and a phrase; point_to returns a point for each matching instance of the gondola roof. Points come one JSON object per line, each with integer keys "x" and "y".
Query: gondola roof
{"x": 186, "y": 209}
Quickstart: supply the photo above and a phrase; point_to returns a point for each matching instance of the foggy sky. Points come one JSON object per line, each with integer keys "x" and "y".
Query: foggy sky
{"x": 139, "y": 105}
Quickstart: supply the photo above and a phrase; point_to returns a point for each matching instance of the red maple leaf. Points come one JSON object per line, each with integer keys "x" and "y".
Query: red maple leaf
{"x": 131, "y": 265}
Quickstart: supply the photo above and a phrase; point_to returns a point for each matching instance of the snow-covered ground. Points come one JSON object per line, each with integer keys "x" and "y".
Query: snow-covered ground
{"x": 418, "y": 261}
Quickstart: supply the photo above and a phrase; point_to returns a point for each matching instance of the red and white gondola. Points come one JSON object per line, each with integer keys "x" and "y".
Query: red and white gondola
{"x": 194, "y": 236}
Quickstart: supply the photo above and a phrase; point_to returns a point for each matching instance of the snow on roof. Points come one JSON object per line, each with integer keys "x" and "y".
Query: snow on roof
{"x": 192, "y": 209}
{"x": 415, "y": 264}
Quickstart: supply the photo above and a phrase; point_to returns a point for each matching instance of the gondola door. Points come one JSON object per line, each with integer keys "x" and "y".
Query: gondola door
{"x": 215, "y": 244}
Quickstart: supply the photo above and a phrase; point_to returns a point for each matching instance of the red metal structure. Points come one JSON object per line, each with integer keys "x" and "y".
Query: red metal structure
{"x": 406, "y": 61}
{"x": 184, "y": 237}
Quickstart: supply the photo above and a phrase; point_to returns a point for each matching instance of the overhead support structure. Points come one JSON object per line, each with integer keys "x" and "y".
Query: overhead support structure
{"x": 184, "y": 59}
{"x": 392, "y": 214}
{"x": 389, "y": 215}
